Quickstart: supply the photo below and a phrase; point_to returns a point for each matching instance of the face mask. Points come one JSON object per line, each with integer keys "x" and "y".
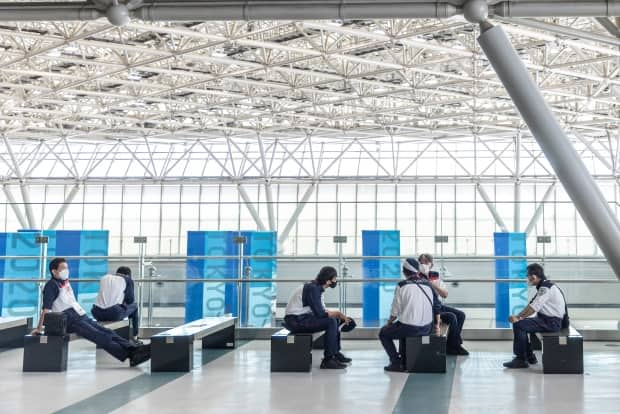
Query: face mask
{"x": 333, "y": 285}
{"x": 63, "y": 274}
{"x": 424, "y": 268}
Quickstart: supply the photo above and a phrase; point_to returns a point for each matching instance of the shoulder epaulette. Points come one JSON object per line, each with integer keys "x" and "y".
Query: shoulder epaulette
{"x": 547, "y": 283}
{"x": 405, "y": 282}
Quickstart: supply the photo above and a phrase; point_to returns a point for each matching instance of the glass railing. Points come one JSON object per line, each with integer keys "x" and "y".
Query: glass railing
{"x": 169, "y": 295}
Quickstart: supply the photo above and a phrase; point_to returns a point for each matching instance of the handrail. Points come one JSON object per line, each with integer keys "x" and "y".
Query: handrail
{"x": 318, "y": 257}
{"x": 341, "y": 280}
{"x": 176, "y": 203}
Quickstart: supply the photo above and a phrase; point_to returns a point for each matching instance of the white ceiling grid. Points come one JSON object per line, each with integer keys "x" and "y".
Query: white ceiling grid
{"x": 368, "y": 99}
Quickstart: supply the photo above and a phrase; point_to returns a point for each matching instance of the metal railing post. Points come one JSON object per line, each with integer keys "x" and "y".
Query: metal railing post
{"x": 141, "y": 242}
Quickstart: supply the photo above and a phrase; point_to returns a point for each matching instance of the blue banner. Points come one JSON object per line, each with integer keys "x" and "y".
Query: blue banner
{"x": 260, "y": 296}
{"x": 220, "y": 298}
{"x": 217, "y": 298}
{"x": 21, "y": 299}
{"x": 377, "y": 297}
{"x": 510, "y": 298}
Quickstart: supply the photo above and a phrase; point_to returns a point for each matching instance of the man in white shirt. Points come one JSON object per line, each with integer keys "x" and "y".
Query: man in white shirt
{"x": 550, "y": 308}
{"x": 306, "y": 313}
{"x": 58, "y": 296}
{"x": 451, "y": 316}
{"x": 416, "y": 307}
{"x": 115, "y": 300}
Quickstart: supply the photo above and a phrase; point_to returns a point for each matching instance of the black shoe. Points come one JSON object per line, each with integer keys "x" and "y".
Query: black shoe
{"x": 342, "y": 359}
{"x": 456, "y": 351}
{"x": 516, "y": 363}
{"x": 531, "y": 359}
{"x": 395, "y": 367}
{"x": 136, "y": 342}
{"x": 462, "y": 351}
{"x": 140, "y": 355}
{"x": 332, "y": 363}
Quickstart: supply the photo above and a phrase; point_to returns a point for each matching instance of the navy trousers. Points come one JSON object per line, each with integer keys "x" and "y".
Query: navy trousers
{"x": 398, "y": 330}
{"x": 117, "y": 346}
{"x": 521, "y": 344}
{"x": 309, "y": 323}
{"x": 455, "y": 318}
{"x": 118, "y": 313}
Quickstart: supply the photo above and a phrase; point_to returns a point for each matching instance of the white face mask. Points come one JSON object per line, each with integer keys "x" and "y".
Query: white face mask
{"x": 424, "y": 268}
{"x": 63, "y": 274}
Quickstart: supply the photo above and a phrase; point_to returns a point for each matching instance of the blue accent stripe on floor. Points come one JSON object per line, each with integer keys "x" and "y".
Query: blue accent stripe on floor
{"x": 427, "y": 393}
{"x": 119, "y": 395}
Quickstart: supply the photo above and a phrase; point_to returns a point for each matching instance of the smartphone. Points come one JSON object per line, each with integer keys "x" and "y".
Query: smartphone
{"x": 433, "y": 275}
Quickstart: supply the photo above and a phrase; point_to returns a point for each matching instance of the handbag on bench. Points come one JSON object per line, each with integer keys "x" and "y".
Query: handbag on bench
{"x": 55, "y": 324}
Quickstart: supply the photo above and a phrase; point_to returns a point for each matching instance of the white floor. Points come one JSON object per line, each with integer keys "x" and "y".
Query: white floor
{"x": 240, "y": 382}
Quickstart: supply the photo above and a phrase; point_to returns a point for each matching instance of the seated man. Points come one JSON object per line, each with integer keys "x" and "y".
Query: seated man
{"x": 115, "y": 300}
{"x": 58, "y": 297}
{"x": 306, "y": 313}
{"x": 449, "y": 315}
{"x": 416, "y": 306}
{"x": 550, "y": 306}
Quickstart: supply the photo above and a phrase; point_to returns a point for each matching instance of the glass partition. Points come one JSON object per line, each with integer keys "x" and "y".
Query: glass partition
{"x": 592, "y": 291}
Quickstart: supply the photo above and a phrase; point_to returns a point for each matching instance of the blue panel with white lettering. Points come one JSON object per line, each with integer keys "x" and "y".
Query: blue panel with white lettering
{"x": 23, "y": 298}
{"x": 377, "y": 297}
{"x": 93, "y": 243}
{"x": 220, "y": 298}
{"x": 260, "y": 297}
{"x": 20, "y": 299}
{"x": 510, "y": 298}
{"x": 210, "y": 298}
{"x": 194, "y": 270}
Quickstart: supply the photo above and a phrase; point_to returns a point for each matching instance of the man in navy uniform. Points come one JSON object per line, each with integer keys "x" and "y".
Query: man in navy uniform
{"x": 58, "y": 297}
{"x": 415, "y": 310}
{"x": 550, "y": 308}
{"x": 115, "y": 300}
{"x": 306, "y": 313}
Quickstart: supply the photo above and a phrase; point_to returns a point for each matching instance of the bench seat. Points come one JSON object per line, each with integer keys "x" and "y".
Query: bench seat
{"x": 425, "y": 354}
{"x": 562, "y": 351}
{"x": 46, "y": 353}
{"x": 173, "y": 350}
{"x": 12, "y": 331}
{"x": 292, "y": 352}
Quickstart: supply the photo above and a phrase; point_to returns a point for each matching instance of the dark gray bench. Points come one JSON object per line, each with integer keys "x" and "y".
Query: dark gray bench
{"x": 562, "y": 352}
{"x": 293, "y": 352}
{"x": 173, "y": 350}
{"x": 426, "y": 354}
{"x": 46, "y": 353}
{"x": 12, "y": 331}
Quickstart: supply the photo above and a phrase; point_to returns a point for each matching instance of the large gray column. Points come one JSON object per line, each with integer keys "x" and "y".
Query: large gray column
{"x": 563, "y": 157}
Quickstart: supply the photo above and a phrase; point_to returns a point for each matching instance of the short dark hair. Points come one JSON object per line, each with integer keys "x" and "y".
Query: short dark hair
{"x": 55, "y": 263}
{"x": 123, "y": 270}
{"x": 326, "y": 273}
{"x": 425, "y": 256}
{"x": 536, "y": 270}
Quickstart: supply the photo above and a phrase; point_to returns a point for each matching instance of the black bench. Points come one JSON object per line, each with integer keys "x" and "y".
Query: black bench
{"x": 562, "y": 351}
{"x": 293, "y": 352}
{"x": 45, "y": 353}
{"x": 425, "y": 354}
{"x": 173, "y": 350}
{"x": 12, "y": 331}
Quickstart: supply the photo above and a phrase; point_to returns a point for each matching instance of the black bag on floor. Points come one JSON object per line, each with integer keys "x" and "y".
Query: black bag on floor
{"x": 55, "y": 324}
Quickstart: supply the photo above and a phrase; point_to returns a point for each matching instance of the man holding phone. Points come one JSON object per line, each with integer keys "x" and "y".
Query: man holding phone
{"x": 449, "y": 315}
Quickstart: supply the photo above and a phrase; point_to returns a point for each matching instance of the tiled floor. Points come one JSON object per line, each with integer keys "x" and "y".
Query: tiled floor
{"x": 239, "y": 381}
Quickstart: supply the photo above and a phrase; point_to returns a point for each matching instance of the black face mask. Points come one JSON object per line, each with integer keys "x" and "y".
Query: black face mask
{"x": 333, "y": 285}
